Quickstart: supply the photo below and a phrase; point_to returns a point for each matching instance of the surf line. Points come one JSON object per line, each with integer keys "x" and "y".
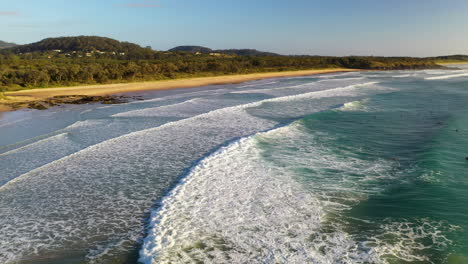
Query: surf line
{"x": 157, "y": 209}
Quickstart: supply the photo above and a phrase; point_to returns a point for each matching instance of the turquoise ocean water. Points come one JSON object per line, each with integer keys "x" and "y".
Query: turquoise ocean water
{"x": 363, "y": 167}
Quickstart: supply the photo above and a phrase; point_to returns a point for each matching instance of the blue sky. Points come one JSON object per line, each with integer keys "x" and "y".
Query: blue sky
{"x": 315, "y": 27}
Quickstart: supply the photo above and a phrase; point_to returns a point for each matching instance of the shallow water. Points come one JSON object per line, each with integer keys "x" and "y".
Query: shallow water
{"x": 345, "y": 168}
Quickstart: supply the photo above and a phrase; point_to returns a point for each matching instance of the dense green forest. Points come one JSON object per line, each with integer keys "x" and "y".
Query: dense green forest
{"x": 80, "y": 43}
{"x": 96, "y": 60}
{"x": 451, "y": 58}
{"x": 238, "y": 52}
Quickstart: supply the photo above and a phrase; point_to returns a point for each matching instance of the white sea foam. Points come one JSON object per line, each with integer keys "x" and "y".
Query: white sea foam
{"x": 184, "y": 109}
{"x": 340, "y": 91}
{"x": 233, "y": 208}
{"x": 326, "y": 75}
{"x": 436, "y": 72}
{"x": 308, "y": 86}
{"x": 407, "y": 240}
{"x": 174, "y": 109}
{"x": 263, "y": 90}
{"x": 354, "y": 106}
{"x": 26, "y": 158}
{"x": 84, "y": 191}
{"x": 239, "y": 205}
{"x": 343, "y": 79}
{"x": 257, "y": 84}
{"x": 447, "y": 76}
{"x": 402, "y": 76}
{"x": 187, "y": 108}
{"x": 62, "y": 202}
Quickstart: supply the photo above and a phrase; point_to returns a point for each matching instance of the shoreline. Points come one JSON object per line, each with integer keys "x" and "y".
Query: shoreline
{"x": 453, "y": 63}
{"x": 18, "y": 100}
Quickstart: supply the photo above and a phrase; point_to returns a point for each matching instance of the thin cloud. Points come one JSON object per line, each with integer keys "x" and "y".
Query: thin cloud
{"x": 9, "y": 13}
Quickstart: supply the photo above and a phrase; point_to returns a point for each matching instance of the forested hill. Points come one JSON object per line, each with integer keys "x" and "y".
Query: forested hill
{"x": 4, "y": 44}
{"x": 237, "y": 52}
{"x": 192, "y": 49}
{"x": 451, "y": 58}
{"x": 79, "y": 43}
{"x": 246, "y": 52}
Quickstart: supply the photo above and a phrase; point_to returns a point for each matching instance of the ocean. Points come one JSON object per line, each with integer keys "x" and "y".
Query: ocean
{"x": 359, "y": 167}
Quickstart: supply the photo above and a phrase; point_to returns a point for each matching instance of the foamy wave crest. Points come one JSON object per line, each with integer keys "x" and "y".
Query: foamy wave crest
{"x": 247, "y": 203}
{"x": 402, "y": 76}
{"x": 343, "y": 79}
{"x": 447, "y": 76}
{"x": 79, "y": 217}
{"x": 21, "y": 160}
{"x": 276, "y": 88}
{"x": 436, "y": 72}
{"x": 190, "y": 104}
{"x": 257, "y": 84}
{"x": 233, "y": 208}
{"x": 308, "y": 86}
{"x": 407, "y": 240}
{"x": 121, "y": 175}
{"x": 328, "y": 75}
{"x": 354, "y": 106}
{"x": 325, "y": 75}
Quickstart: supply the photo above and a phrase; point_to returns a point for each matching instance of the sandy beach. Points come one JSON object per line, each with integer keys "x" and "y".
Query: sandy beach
{"x": 20, "y": 99}
{"x": 452, "y": 63}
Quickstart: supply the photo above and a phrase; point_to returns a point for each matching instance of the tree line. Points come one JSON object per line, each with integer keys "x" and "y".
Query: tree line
{"x": 45, "y": 69}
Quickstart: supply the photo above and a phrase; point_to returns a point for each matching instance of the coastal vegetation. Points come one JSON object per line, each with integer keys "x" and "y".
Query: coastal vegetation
{"x": 4, "y": 45}
{"x": 451, "y": 59}
{"x": 240, "y": 52}
{"x": 83, "y": 60}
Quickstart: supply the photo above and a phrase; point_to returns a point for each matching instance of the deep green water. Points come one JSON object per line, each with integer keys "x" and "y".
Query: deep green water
{"x": 405, "y": 187}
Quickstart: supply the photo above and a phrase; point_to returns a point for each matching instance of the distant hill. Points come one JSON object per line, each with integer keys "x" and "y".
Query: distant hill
{"x": 451, "y": 58}
{"x": 192, "y": 49}
{"x": 80, "y": 43}
{"x": 247, "y": 52}
{"x": 4, "y": 45}
{"x": 238, "y": 52}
